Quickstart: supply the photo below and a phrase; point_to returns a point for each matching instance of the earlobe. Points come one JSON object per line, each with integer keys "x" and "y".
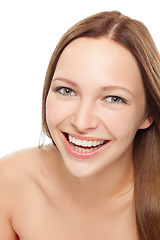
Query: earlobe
{"x": 146, "y": 123}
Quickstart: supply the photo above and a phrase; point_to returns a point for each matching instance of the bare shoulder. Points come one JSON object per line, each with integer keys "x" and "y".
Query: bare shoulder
{"x": 18, "y": 172}
{"x": 20, "y": 166}
{"x": 16, "y": 163}
{"x": 12, "y": 167}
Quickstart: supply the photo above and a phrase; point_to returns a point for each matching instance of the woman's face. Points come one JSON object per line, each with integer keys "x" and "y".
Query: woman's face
{"x": 95, "y": 105}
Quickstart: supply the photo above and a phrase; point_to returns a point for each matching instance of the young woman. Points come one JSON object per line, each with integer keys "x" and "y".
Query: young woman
{"x": 100, "y": 177}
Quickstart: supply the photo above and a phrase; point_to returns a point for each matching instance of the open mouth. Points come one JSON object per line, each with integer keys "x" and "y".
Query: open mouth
{"x": 84, "y": 146}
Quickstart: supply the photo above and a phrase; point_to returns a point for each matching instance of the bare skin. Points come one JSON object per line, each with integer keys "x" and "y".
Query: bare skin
{"x": 96, "y": 94}
{"x": 39, "y": 201}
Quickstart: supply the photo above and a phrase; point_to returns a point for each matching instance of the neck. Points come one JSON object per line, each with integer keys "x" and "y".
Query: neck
{"x": 112, "y": 182}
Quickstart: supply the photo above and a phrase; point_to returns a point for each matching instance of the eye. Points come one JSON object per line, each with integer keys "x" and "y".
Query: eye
{"x": 115, "y": 99}
{"x": 65, "y": 91}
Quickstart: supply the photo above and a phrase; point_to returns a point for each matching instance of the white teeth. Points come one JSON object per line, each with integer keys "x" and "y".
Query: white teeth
{"x": 89, "y": 143}
{"x": 79, "y": 149}
{"x": 85, "y": 143}
{"x": 95, "y": 143}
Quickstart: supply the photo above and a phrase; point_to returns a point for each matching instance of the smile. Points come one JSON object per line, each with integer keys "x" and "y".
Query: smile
{"x": 83, "y": 147}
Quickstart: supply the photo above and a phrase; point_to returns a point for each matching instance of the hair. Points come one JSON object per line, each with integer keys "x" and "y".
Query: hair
{"x": 134, "y": 36}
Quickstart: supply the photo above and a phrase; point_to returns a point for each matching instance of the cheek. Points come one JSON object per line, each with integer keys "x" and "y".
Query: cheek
{"x": 56, "y": 111}
{"x": 122, "y": 124}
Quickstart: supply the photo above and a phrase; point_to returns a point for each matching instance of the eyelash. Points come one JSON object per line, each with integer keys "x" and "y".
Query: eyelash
{"x": 58, "y": 89}
{"x": 115, "y": 100}
{"x": 118, "y": 100}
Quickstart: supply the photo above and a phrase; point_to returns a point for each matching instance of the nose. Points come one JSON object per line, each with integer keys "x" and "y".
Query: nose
{"x": 84, "y": 117}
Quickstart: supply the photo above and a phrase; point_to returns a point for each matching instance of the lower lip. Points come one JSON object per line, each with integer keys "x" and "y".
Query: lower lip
{"x": 83, "y": 155}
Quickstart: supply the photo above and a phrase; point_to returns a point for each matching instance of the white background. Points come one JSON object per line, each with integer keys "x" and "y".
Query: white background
{"x": 29, "y": 32}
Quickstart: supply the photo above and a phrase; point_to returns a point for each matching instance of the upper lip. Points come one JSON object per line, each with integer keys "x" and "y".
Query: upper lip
{"x": 84, "y": 138}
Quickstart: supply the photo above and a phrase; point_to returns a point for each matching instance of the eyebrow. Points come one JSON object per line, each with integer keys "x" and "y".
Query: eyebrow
{"x": 65, "y": 80}
{"x": 115, "y": 87}
{"x": 105, "y": 88}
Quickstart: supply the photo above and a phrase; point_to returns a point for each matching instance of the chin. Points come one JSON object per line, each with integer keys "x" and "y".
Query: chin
{"x": 80, "y": 169}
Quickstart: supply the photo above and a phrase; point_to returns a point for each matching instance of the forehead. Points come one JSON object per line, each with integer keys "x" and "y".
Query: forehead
{"x": 99, "y": 60}
{"x": 99, "y": 49}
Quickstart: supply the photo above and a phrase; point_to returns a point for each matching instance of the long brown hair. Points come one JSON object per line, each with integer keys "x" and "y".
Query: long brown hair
{"x": 133, "y": 35}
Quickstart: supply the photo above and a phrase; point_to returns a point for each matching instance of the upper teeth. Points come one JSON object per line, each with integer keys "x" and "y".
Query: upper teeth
{"x": 85, "y": 143}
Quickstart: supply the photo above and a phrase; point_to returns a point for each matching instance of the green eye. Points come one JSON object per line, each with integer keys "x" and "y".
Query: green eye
{"x": 114, "y": 99}
{"x": 65, "y": 91}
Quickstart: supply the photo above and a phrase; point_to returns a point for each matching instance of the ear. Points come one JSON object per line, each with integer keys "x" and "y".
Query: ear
{"x": 146, "y": 123}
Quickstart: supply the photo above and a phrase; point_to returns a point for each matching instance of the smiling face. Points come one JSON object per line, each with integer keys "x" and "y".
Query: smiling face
{"x": 95, "y": 105}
